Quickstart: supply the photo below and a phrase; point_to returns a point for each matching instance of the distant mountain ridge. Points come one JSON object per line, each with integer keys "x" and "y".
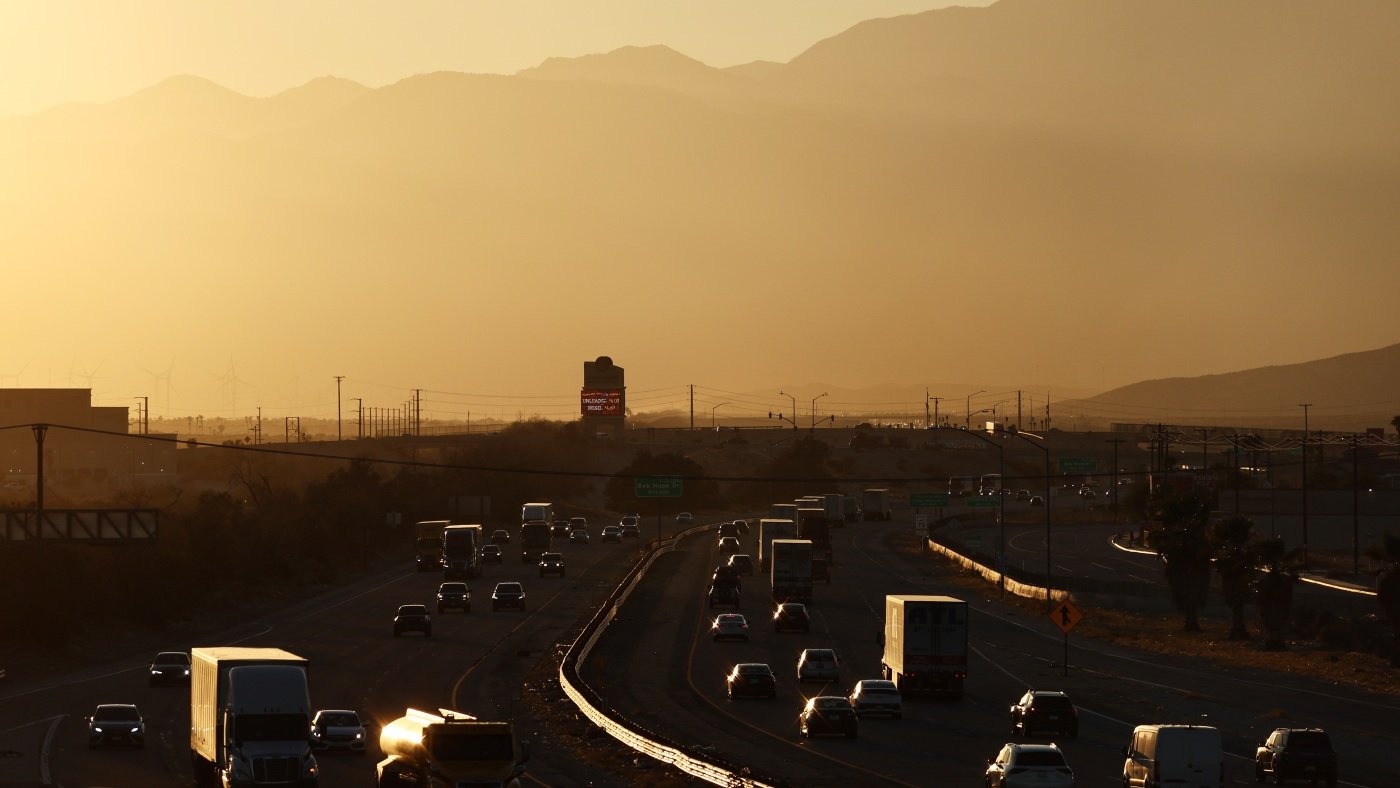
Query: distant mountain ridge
{"x": 932, "y": 197}
{"x": 1339, "y": 388}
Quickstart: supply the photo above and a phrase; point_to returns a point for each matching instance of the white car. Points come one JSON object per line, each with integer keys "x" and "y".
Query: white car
{"x": 1021, "y": 765}
{"x": 685, "y": 518}
{"x": 877, "y": 696}
{"x": 338, "y": 729}
{"x": 818, "y": 664}
{"x": 730, "y": 625}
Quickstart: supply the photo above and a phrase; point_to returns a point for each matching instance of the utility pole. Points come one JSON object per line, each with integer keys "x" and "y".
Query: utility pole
{"x": 258, "y": 435}
{"x": 1355, "y": 507}
{"x": 794, "y": 407}
{"x": 1115, "y": 442}
{"x": 926, "y": 421}
{"x": 1018, "y": 410}
{"x": 1305, "y": 407}
{"x": 143, "y": 416}
{"x": 39, "y": 431}
{"x": 338, "y": 378}
{"x": 418, "y": 413}
{"x": 1205, "y": 460}
{"x": 692, "y": 406}
{"x": 359, "y": 417}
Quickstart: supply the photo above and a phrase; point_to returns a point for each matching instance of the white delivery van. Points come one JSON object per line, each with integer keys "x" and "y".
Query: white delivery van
{"x": 1180, "y": 756}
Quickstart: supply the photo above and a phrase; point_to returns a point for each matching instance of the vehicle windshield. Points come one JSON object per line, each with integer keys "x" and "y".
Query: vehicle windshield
{"x": 340, "y": 721}
{"x": 116, "y": 714}
{"x": 461, "y": 746}
{"x": 508, "y": 588}
{"x": 1039, "y": 758}
{"x": 1311, "y": 740}
{"x": 413, "y": 610}
{"x": 754, "y": 670}
{"x": 172, "y": 658}
{"x": 454, "y": 588}
{"x": 269, "y": 727}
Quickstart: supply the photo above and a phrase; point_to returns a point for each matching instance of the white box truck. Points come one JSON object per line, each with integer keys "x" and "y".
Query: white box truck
{"x": 250, "y": 718}
{"x": 791, "y": 575}
{"x": 925, "y": 644}
{"x": 768, "y": 530}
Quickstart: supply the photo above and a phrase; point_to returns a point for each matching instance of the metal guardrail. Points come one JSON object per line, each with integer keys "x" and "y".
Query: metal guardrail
{"x": 615, "y": 726}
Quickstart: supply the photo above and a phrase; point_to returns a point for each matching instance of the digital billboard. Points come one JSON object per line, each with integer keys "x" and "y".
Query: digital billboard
{"x": 601, "y": 402}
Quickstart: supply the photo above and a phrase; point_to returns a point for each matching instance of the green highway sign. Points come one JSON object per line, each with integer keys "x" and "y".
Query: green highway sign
{"x": 657, "y": 486}
{"x": 1078, "y": 465}
{"x": 983, "y": 500}
{"x": 928, "y": 500}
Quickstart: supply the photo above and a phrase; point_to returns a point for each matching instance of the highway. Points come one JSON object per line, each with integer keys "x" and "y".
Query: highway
{"x": 662, "y": 670}
{"x": 658, "y": 666}
{"x": 474, "y": 662}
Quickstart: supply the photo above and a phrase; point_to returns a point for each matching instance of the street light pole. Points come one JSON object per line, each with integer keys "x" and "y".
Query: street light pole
{"x": 814, "y": 409}
{"x": 1045, "y": 448}
{"x": 338, "y": 378}
{"x": 39, "y": 431}
{"x": 712, "y": 413}
{"x": 794, "y": 407}
{"x": 1001, "y": 504}
{"x": 1305, "y": 407}
{"x": 967, "y": 410}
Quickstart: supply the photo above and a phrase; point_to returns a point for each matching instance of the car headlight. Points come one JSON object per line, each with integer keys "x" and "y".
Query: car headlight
{"x": 359, "y": 734}
{"x": 137, "y": 729}
{"x": 96, "y": 729}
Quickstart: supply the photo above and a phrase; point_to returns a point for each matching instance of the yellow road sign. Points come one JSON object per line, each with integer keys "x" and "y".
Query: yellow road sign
{"x": 1065, "y": 616}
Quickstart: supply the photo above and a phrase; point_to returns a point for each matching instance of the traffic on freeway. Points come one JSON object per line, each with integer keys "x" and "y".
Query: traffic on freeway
{"x": 888, "y": 674}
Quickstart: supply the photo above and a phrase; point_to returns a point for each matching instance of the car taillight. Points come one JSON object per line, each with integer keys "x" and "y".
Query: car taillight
{"x": 959, "y": 675}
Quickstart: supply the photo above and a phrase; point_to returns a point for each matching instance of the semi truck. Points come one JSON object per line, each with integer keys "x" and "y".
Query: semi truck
{"x": 835, "y": 506}
{"x": 461, "y": 552}
{"x": 769, "y": 529}
{"x": 449, "y": 749}
{"x": 791, "y": 574}
{"x": 250, "y": 713}
{"x": 875, "y": 504}
{"x": 537, "y": 511}
{"x": 427, "y": 544}
{"x": 813, "y": 525}
{"x": 925, "y": 640}
{"x": 783, "y": 511}
{"x": 534, "y": 540}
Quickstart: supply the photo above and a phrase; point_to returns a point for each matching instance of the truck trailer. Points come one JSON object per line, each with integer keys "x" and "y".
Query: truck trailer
{"x": 461, "y": 551}
{"x": 449, "y": 749}
{"x": 768, "y": 530}
{"x": 791, "y": 575}
{"x": 875, "y": 504}
{"x": 813, "y": 525}
{"x": 835, "y": 506}
{"x": 250, "y": 714}
{"x": 925, "y": 642}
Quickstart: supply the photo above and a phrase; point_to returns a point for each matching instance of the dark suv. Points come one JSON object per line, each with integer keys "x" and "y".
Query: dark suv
{"x": 413, "y": 618}
{"x": 724, "y": 595}
{"x": 452, "y": 595}
{"x": 1304, "y": 753}
{"x": 508, "y": 595}
{"x": 1045, "y": 711}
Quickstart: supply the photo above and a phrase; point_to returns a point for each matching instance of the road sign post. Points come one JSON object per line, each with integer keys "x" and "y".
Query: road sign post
{"x": 1065, "y": 615}
{"x": 658, "y": 487}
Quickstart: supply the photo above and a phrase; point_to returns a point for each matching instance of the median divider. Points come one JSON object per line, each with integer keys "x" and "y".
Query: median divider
{"x": 709, "y": 769}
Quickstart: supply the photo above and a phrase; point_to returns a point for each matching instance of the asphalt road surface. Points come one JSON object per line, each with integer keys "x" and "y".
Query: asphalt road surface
{"x": 661, "y": 669}
{"x": 474, "y": 662}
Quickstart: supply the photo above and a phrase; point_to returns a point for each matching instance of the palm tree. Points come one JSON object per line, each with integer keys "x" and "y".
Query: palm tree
{"x": 1185, "y": 551}
{"x": 1275, "y": 592}
{"x": 1388, "y": 587}
{"x": 1235, "y": 561}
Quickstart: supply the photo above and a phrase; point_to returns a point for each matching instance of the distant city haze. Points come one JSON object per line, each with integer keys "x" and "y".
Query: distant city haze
{"x": 472, "y": 199}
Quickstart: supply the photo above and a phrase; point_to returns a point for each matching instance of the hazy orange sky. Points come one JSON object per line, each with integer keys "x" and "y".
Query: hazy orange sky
{"x": 53, "y": 51}
{"x": 1050, "y": 195}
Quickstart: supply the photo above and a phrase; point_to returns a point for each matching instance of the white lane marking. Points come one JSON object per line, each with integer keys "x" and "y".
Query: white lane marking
{"x": 44, "y": 776}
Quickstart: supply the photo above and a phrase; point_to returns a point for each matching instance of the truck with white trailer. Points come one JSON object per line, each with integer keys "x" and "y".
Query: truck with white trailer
{"x": 768, "y": 530}
{"x": 250, "y": 718}
{"x": 925, "y": 640}
{"x": 791, "y": 572}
